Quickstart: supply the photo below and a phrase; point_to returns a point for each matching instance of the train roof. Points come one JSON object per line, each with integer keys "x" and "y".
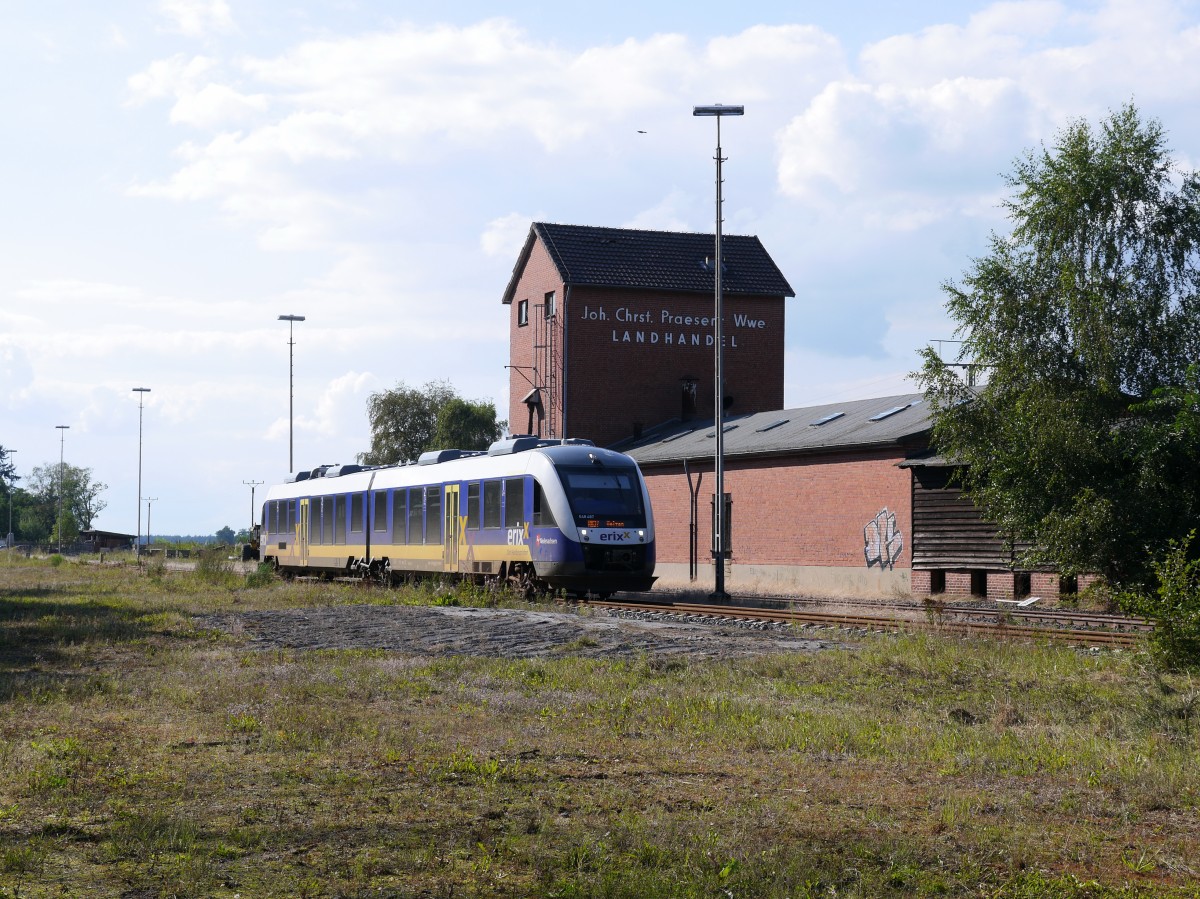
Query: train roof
{"x": 504, "y": 458}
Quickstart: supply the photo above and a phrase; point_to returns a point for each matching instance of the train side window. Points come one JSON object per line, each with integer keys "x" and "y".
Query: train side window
{"x": 339, "y": 519}
{"x": 357, "y": 507}
{"x": 491, "y": 503}
{"x": 291, "y": 516}
{"x": 416, "y": 514}
{"x": 514, "y": 502}
{"x": 271, "y": 519}
{"x": 399, "y": 515}
{"x": 379, "y": 513}
{"x": 327, "y": 519}
{"x": 473, "y": 506}
{"x": 543, "y": 517}
{"x": 433, "y": 514}
{"x": 314, "y": 520}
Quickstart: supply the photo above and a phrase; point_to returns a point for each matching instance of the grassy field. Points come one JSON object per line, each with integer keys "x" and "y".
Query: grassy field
{"x": 143, "y": 756}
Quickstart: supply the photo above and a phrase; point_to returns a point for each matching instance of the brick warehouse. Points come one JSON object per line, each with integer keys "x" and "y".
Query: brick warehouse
{"x": 610, "y": 338}
{"x": 821, "y": 502}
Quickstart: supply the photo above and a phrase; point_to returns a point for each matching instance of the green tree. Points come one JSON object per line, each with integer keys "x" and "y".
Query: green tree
{"x": 8, "y": 491}
{"x": 226, "y": 535}
{"x": 1084, "y": 439}
{"x": 81, "y": 501}
{"x": 8, "y": 472}
{"x": 407, "y": 421}
{"x": 462, "y": 424}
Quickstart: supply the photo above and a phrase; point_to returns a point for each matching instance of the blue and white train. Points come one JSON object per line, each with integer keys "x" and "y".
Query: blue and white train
{"x": 562, "y": 514}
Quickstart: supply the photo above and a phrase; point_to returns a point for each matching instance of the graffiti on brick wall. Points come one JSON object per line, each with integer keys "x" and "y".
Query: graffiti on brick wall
{"x": 882, "y": 540}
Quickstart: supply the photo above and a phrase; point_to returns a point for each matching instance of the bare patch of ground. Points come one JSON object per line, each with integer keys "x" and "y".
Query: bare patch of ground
{"x": 501, "y": 633}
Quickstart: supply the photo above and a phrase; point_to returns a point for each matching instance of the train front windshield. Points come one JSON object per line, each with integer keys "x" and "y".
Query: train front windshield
{"x": 604, "y": 497}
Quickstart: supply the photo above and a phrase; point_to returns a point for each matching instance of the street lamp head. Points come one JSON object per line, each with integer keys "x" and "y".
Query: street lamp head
{"x": 63, "y": 427}
{"x": 718, "y": 109}
{"x": 291, "y": 318}
{"x": 141, "y": 389}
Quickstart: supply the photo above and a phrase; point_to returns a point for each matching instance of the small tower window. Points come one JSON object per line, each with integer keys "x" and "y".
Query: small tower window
{"x": 550, "y": 304}
{"x": 523, "y": 313}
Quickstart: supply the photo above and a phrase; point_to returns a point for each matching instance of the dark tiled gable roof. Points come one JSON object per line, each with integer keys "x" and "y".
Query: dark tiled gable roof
{"x": 653, "y": 260}
{"x": 883, "y": 421}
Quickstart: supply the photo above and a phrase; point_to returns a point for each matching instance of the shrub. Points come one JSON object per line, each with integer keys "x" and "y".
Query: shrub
{"x": 261, "y": 576}
{"x": 1174, "y": 606}
{"x": 214, "y": 567}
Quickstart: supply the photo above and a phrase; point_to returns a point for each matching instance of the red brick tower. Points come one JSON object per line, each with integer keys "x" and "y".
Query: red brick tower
{"x": 611, "y": 330}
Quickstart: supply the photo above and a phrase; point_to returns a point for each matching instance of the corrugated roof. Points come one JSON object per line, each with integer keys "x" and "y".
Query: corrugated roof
{"x": 653, "y": 260}
{"x": 882, "y": 421}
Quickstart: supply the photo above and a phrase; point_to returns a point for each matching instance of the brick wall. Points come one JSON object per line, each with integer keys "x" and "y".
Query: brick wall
{"x": 1044, "y": 584}
{"x": 799, "y": 510}
{"x": 540, "y": 276}
{"x": 1000, "y": 585}
{"x": 958, "y": 583}
{"x": 629, "y": 352}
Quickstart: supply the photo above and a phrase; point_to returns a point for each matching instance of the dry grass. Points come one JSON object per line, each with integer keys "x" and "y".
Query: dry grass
{"x": 141, "y": 756}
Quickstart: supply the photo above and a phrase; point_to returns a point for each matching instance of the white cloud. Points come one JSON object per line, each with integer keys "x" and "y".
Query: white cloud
{"x": 669, "y": 214}
{"x": 505, "y": 236}
{"x": 413, "y": 95}
{"x": 168, "y": 77}
{"x": 216, "y": 105}
{"x": 343, "y": 394}
{"x": 196, "y": 18}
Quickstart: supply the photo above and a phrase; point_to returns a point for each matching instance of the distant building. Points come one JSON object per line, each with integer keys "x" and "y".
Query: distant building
{"x": 97, "y": 541}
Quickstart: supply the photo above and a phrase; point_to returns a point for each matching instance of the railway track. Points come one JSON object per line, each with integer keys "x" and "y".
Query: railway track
{"x": 1092, "y": 629}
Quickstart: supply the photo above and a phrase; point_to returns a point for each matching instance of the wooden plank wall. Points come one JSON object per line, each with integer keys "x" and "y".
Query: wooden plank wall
{"x": 948, "y": 531}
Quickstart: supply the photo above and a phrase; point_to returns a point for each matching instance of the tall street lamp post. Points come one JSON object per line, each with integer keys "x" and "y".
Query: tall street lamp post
{"x": 11, "y": 490}
{"x": 62, "y": 442}
{"x": 141, "y": 392}
{"x": 291, "y": 320}
{"x": 719, "y": 525}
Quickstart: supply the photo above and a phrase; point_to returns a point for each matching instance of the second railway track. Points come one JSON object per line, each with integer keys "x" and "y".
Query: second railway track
{"x": 1091, "y": 629}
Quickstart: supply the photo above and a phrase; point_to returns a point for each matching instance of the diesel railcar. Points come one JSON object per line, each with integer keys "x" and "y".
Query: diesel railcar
{"x": 562, "y": 514}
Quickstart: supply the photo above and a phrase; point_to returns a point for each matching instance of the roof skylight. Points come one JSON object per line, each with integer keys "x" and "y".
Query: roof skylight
{"x": 833, "y": 416}
{"x": 887, "y": 413}
{"x": 772, "y": 425}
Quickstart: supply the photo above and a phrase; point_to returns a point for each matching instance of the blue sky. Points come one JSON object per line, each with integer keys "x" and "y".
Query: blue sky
{"x": 181, "y": 172}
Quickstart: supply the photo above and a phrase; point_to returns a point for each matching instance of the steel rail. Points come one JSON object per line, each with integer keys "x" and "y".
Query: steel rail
{"x": 1011, "y": 613}
{"x": 998, "y": 626}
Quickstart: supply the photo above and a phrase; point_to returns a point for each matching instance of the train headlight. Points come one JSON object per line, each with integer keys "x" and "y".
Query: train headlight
{"x": 641, "y": 536}
{"x": 583, "y": 534}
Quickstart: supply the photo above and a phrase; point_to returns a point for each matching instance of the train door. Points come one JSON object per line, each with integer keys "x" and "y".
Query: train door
{"x": 450, "y": 532}
{"x": 302, "y": 537}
